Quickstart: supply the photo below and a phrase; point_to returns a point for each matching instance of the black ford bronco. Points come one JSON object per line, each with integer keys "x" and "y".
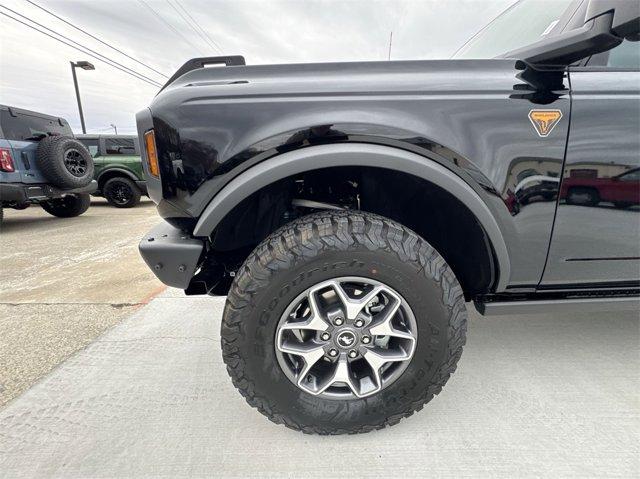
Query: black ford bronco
{"x": 350, "y": 210}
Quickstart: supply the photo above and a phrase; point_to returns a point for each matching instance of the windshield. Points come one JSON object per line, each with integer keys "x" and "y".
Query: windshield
{"x": 521, "y": 24}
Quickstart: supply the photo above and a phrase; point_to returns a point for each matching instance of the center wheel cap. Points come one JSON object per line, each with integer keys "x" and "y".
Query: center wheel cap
{"x": 346, "y": 339}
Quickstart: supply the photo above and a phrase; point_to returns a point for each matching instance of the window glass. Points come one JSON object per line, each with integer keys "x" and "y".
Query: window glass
{"x": 31, "y": 127}
{"x": 119, "y": 146}
{"x": 92, "y": 146}
{"x": 583, "y": 173}
{"x": 631, "y": 176}
{"x": 625, "y": 55}
{"x": 524, "y": 23}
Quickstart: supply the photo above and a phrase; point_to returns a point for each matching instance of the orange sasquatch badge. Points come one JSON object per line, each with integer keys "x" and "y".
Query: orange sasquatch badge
{"x": 544, "y": 120}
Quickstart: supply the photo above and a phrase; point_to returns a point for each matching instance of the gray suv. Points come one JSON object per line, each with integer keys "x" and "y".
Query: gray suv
{"x": 41, "y": 162}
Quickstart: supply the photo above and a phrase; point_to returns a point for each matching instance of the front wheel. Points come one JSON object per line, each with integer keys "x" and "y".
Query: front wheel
{"x": 342, "y": 322}
{"x": 68, "y": 206}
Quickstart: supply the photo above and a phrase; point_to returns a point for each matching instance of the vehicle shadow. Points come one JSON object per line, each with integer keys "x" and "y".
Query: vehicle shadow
{"x": 17, "y": 220}
{"x": 105, "y": 204}
{"x": 10, "y": 224}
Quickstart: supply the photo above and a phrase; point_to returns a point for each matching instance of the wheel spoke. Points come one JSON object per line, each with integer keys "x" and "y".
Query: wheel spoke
{"x": 341, "y": 374}
{"x": 310, "y": 352}
{"x": 381, "y": 325}
{"x": 379, "y": 357}
{"x": 315, "y": 322}
{"x": 353, "y": 306}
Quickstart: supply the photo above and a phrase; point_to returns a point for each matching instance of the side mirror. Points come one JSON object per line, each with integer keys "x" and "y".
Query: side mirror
{"x": 607, "y": 23}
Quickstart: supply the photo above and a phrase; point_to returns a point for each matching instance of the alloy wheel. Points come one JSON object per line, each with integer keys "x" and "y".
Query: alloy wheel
{"x": 346, "y": 338}
{"x": 75, "y": 163}
{"x": 120, "y": 193}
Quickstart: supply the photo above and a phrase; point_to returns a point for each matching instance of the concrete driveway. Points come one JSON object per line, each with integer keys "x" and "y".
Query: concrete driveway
{"x": 63, "y": 282}
{"x": 534, "y": 396}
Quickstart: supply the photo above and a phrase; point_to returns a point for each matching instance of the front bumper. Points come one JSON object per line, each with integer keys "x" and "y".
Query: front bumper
{"x": 28, "y": 193}
{"x": 171, "y": 254}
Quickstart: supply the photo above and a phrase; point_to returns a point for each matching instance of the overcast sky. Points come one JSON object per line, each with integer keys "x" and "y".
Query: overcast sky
{"x": 35, "y": 72}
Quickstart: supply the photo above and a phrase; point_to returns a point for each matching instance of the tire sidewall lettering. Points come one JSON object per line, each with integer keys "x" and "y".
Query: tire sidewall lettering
{"x": 400, "y": 276}
{"x": 324, "y": 246}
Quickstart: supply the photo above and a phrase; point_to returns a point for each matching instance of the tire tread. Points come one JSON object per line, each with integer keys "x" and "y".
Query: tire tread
{"x": 306, "y": 237}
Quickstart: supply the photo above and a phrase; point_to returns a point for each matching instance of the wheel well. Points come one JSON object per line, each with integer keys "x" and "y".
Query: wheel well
{"x": 435, "y": 214}
{"x": 107, "y": 175}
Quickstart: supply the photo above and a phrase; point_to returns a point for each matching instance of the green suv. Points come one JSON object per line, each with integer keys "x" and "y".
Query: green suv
{"x": 118, "y": 169}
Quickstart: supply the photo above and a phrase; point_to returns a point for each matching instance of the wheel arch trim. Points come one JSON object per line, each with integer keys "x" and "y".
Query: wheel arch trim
{"x": 356, "y": 154}
{"x": 124, "y": 171}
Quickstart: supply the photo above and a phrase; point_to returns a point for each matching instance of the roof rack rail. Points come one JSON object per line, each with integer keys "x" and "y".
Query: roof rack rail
{"x": 195, "y": 63}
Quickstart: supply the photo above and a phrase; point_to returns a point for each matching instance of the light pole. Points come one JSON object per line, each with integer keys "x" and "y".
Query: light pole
{"x": 115, "y": 128}
{"x": 85, "y": 66}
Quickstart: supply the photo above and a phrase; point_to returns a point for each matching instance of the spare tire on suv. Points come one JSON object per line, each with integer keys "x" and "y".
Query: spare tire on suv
{"x": 65, "y": 162}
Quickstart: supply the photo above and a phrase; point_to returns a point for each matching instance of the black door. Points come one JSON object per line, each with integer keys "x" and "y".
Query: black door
{"x": 596, "y": 236}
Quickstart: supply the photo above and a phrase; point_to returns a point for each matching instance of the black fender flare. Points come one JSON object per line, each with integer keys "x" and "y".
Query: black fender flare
{"x": 355, "y": 154}
{"x": 124, "y": 171}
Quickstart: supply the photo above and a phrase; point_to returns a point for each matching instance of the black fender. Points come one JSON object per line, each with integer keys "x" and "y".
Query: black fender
{"x": 356, "y": 154}
{"x": 124, "y": 171}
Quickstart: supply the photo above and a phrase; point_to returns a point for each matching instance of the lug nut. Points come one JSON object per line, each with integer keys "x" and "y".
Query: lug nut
{"x": 366, "y": 339}
{"x": 353, "y": 353}
{"x": 338, "y": 321}
{"x": 359, "y": 323}
{"x": 325, "y": 336}
{"x": 333, "y": 352}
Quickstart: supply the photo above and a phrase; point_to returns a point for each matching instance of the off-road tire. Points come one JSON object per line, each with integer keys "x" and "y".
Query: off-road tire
{"x": 326, "y": 245}
{"x": 52, "y": 159}
{"x": 115, "y": 198}
{"x": 68, "y": 206}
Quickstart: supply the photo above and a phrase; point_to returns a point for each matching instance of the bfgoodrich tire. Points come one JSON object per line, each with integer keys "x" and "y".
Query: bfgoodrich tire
{"x": 358, "y": 252}
{"x": 68, "y": 206}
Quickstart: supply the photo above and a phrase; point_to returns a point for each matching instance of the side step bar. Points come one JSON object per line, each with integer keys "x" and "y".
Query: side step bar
{"x": 544, "y": 306}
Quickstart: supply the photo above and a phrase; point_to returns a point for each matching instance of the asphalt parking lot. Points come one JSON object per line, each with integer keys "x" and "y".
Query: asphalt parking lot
{"x": 534, "y": 396}
{"x": 63, "y": 282}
